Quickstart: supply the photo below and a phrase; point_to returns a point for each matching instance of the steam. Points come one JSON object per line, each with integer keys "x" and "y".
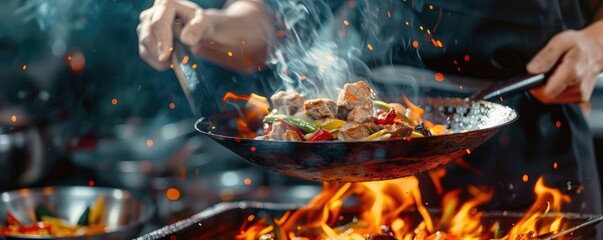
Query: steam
{"x": 320, "y": 51}
{"x": 58, "y": 17}
{"x": 310, "y": 56}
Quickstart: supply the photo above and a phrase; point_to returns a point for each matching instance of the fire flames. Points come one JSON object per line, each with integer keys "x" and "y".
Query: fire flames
{"x": 379, "y": 207}
{"x": 255, "y": 108}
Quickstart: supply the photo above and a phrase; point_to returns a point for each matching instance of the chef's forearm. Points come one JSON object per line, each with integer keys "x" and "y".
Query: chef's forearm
{"x": 239, "y": 39}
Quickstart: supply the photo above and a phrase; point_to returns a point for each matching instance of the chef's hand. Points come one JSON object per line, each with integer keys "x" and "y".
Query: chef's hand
{"x": 234, "y": 37}
{"x": 580, "y": 58}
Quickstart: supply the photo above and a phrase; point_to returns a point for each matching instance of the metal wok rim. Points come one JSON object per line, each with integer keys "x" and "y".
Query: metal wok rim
{"x": 406, "y": 139}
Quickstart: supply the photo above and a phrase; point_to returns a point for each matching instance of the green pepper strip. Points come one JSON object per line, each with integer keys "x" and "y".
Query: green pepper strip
{"x": 305, "y": 125}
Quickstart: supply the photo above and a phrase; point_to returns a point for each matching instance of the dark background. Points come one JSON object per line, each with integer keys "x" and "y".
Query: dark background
{"x": 76, "y": 104}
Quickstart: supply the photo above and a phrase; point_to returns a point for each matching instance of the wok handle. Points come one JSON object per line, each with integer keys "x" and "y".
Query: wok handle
{"x": 180, "y": 71}
{"x": 511, "y": 86}
{"x": 197, "y": 90}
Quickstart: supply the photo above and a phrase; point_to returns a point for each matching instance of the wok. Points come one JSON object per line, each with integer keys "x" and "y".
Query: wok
{"x": 472, "y": 120}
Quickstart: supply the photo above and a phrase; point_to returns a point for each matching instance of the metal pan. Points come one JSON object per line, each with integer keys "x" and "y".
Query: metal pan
{"x": 473, "y": 122}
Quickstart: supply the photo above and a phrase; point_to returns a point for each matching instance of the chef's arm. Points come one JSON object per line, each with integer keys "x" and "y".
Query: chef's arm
{"x": 579, "y": 54}
{"x": 235, "y": 37}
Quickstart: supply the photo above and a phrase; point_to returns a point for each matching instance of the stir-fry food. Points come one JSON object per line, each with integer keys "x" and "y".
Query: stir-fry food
{"x": 355, "y": 116}
{"x": 47, "y": 224}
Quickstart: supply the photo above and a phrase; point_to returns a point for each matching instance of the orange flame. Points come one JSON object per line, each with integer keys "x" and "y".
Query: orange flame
{"x": 380, "y": 209}
{"x": 382, "y": 204}
{"x": 256, "y": 107}
{"x": 258, "y": 101}
{"x": 548, "y": 200}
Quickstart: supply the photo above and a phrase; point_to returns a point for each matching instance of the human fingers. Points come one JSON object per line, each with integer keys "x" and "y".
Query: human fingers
{"x": 548, "y": 56}
{"x": 557, "y": 81}
{"x": 147, "y": 44}
{"x": 161, "y": 23}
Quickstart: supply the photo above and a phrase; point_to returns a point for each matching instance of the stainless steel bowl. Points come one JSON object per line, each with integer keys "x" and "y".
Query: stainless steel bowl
{"x": 125, "y": 213}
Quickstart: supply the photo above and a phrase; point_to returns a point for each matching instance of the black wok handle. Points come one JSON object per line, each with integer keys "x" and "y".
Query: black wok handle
{"x": 511, "y": 86}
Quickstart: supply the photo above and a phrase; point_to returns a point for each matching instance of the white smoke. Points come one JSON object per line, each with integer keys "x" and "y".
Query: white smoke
{"x": 317, "y": 52}
{"x": 58, "y": 18}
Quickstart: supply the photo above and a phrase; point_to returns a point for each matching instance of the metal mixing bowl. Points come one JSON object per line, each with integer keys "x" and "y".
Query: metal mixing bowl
{"x": 125, "y": 213}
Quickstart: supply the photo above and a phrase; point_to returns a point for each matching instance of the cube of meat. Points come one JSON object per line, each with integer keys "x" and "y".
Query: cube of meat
{"x": 353, "y": 132}
{"x": 372, "y": 127}
{"x": 281, "y": 131}
{"x": 356, "y": 95}
{"x": 399, "y": 129}
{"x": 321, "y": 108}
{"x": 360, "y": 115}
{"x": 277, "y": 132}
{"x": 288, "y": 103}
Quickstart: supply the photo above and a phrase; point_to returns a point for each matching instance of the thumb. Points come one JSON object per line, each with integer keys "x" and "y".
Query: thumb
{"x": 546, "y": 58}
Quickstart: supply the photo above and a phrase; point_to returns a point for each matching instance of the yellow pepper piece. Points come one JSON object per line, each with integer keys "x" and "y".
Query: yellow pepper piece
{"x": 378, "y": 135}
{"x": 60, "y": 226}
{"x": 414, "y": 134}
{"x": 332, "y": 124}
{"x": 96, "y": 211}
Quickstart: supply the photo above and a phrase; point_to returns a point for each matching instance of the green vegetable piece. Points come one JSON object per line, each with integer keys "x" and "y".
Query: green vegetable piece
{"x": 41, "y": 211}
{"x": 272, "y": 118}
{"x": 381, "y": 105}
{"x": 83, "y": 221}
{"x": 304, "y": 125}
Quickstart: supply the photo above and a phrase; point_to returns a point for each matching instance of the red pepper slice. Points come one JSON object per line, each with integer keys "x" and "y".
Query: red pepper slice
{"x": 12, "y": 220}
{"x": 321, "y": 135}
{"x": 34, "y": 228}
{"x": 294, "y": 128}
{"x": 388, "y": 118}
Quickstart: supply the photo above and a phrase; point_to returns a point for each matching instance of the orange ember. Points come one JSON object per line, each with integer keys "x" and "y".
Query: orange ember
{"x": 379, "y": 211}
{"x": 77, "y": 62}
{"x": 415, "y": 44}
{"x": 172, "y": 194}
{"x": 439, "y": 77}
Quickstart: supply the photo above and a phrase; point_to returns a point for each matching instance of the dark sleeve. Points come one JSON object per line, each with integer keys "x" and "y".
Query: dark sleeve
{"x": 590, "y": 8}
